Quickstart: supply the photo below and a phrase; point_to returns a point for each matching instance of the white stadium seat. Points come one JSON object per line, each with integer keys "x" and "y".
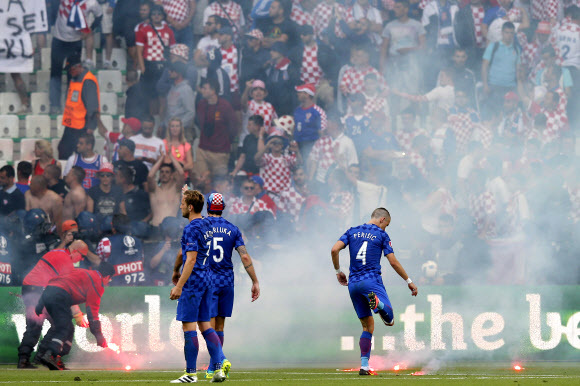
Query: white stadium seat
{"x": 9, "y": 126}
{"x": 10, "y": 87}
{"x": 9, "y": 103}
{"x": 42, "y": 81}
{"x": 27, "y": 148}
{"x": 39, "y": 103}
{"x": 118, "y": 59}
{"x": 37, "y": 126}
{"x": 110, "y": 81}
{"x": 45, "y": 59}
{"x": 108, "y": 103}
{"x": 6, "y": 149}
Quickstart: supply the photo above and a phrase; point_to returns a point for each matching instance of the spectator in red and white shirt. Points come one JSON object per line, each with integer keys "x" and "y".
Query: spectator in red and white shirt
{"x": 248, "y": 203}
{"x": 150, "y": 53}
{"x": 256, "y": 92}
{"x": 324, "y": 13}
{"x": 230, "y": 59}
{"x": 291, "y": 200}
{"x": 179, "y": 14}
{"x": 532, "y": 51}
{"x": 302, "y": 12}
{"x": 228, "y": 10}
{"x": 407, "y": 131}
{"x": 317, "y": 60}
{"x": 352, "y": 80}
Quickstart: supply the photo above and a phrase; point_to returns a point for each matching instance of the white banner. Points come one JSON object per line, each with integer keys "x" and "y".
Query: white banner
{"x": 18, "y": 19}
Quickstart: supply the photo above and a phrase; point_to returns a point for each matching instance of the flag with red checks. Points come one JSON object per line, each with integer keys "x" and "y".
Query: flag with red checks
{"x": 478, "y": 15}
{"x": 405, "y": 138}
{"x": 277, "y": 171}
{"x": 544, "y": 10}
{"x": 323, "y": 155}
{"x": 299, "y": 15}
{"x": 230, "y": 65}
{"x": 343, "y": 204}
{"x": 352, "y": 81}
{"x": 104, "y": 249}
{"x": 376, "y": 103}
{"x": 265, "y": 110}
{"x": 515, "y": 15}
{"x": 323, "y": 13}
{"x": 310, "y": 71}
{"x": 482, "y": 208}
{"x": 531, "y": 52}
{"x": 239, "y": 207}
{"x": 291, "y": 202}
{"x": 418, "y": 161}
{"x": 176, "y": 9}
{"x": 462, "y": 123}
{"x": 152, "y": 47}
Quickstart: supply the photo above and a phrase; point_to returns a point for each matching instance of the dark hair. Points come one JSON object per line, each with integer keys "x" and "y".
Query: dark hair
{"x": 79, "y": 173}
{"x": 257, "y": 119}
{"x": 508, "y": 25}
{"x": 573, "y": 12}
{"x": 167, "y": 165}
{"x": 158, "y": 8}
{"x": 127, "y": 172}
{"x": 89, "y": 138}
{"x": 9, "y": 170}
{"x": 403, "y": 2}
{"x": 286, "y": 7}
{"x": 121, "y": 223}
{"x": 179, "y": 68}
{"x": 381, "y": 212}
{"x": 147, "y": 118}
{"x": 106, "y": 269}
{"x": 24, "y": 169}
{"x": 212, "y": 83}
{"x": 371, "y": 76}
{"x": 460, "y": 49}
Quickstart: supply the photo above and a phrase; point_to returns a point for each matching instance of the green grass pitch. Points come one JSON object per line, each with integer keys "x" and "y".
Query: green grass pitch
{"x": 540, "y": 373}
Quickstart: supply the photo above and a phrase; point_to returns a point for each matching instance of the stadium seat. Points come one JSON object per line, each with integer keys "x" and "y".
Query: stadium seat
{"x": 4, "y": 163}
{"x": 39, "y": 103}
{"x": 9, "y": 103}
{"x": 59, "y": 126}
{"x": 110, "y": 81}
{"x": 100, "y": 145}
{"x": 10, "y": 87}
{"x": 6, "y": 150}
{"x": 37, "y": 126}
{"x": 45, "y": 59}
{"x": 27, "y": 148}
{"x": 42, "y": 81}
{"x": 107, "y": 121}
{"x": 9, "y": 126}
{"x": 108, "y": 103}
{"x": 118, "y": 59}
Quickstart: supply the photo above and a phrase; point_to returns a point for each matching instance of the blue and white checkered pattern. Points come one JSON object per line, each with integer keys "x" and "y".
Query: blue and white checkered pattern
{"x": 197, "y": 237}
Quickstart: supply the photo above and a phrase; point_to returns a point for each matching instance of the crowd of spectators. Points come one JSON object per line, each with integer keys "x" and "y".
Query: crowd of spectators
{"x": 460, "y": 117}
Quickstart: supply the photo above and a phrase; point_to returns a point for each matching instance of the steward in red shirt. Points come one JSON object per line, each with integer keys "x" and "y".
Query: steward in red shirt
{"x": 51, "y": 265}
{"x": 76, "y": 287}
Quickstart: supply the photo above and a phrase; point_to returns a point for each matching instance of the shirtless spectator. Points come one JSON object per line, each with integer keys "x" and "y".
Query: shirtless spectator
{"x": 107, "y": 197}
{"x": 55, "y": 183}
{"x": 77, "y": 200}
{"x": 164, "y": 193}
{"x": 148, "y": 147}
{"x": 40, "y": 197}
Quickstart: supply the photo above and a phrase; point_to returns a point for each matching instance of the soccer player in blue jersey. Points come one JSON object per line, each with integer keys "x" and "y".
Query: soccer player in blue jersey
{"x": 366, "y": 245}
{"x": 226, "y": 237}
{"x": 194, "y": 289}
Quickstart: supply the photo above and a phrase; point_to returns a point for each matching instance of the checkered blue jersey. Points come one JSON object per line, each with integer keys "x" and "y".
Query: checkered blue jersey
{"x": 197, "y": 237}
{"x": 366, "y": 244}
{"x": 226, "y": 237}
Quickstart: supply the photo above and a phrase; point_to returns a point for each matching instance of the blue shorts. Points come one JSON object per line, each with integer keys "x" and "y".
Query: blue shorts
{"x": 222, "y": 303}
{"x": 194, "y": 306}
{"x": 359, "y": 292}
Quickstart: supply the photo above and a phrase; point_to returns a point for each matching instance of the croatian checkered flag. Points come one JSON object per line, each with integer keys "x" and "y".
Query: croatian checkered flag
{"x": 76, "y": 18}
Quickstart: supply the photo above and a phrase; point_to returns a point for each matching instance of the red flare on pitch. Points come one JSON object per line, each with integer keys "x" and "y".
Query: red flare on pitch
{"x": 396, "y": 367}
{"x": 127, "y": 367}
{"x": 518, "y": 368}
{"x": 418, "y": 373}
{"x": 349, "y": 370}
{"x": 114, "y": 347}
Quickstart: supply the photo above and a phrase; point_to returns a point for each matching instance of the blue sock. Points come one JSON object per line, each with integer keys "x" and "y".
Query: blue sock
{"x": 365, "y": 344}
{"x": 220, "y": 335}
{"x": 214, "y": 347}
{"x": 387, "y": 313}
{"x": 191, "y": 349}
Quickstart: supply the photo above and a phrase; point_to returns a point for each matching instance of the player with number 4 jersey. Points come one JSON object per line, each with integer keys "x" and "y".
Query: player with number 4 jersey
{"x": 367, "y": 243}
{"x": 226, "y": 237}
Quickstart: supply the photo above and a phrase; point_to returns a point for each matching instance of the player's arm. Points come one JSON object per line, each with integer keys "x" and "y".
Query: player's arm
{"x": 185, "y": 274}
{"x": 401, "y": 271}
{"x": 177, "y": 267}
{"x": 335, "y": 252}
{"x": 249, "y": 267}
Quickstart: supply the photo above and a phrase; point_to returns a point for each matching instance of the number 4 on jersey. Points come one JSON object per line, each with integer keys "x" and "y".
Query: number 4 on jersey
{"x": 362, "y": 253}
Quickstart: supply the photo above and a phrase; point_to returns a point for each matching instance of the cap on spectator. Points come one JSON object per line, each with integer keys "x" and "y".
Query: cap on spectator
{"x": 258, "y": 180}
{"x": 308, "y": 88}
{"x": 285, "y": 123}
{"x": 279, "y": 47}
{"x": 73, "y": 60}
{"x": 133, "y": 123}
{"x": 543, "y": 28}
{"x": 180, "y": 50}
{"x": 258, "y": 84}
{"x": 68, "y": 225}
{"x": 227, "y": 30}
{"x": 256, "y": 34}
{"x": 215, "y": 202}
{"x": 128, "y": 144}
{"x": 306, "y": 29}
{"x": 106, "y": 167}
{"x": 511, "y": 96}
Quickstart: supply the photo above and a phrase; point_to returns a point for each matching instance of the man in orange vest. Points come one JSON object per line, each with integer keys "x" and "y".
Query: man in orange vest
{"x": 81, "y": 111}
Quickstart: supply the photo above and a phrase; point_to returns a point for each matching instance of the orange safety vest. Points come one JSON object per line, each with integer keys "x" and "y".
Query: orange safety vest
{"x": 75, "y": 113}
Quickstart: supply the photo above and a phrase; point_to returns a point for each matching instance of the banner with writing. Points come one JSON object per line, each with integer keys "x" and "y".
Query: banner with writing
{"x": 18, "y": 19}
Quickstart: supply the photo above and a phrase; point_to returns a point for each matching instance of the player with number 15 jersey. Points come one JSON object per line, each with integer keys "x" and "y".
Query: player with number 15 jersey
{"x": 367, "y": 243}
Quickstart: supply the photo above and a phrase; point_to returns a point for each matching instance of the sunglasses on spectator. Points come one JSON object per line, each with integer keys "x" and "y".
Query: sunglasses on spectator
{"x": 110, "y": 175}
{"x": 276, "y": 143}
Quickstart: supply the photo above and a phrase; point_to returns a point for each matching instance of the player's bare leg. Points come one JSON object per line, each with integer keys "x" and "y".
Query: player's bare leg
{"x": 368, "y": 326}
